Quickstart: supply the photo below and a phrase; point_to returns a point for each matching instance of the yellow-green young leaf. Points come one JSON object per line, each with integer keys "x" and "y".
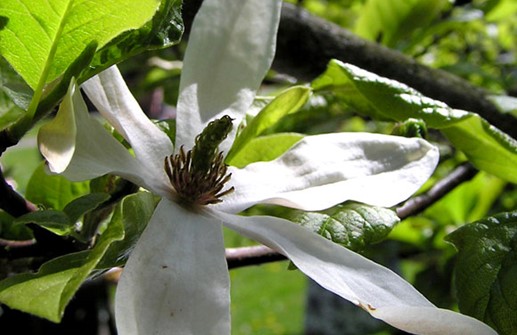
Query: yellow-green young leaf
{"x": 53, "y": 191}
{"x": 165, "y": 29}
{"x": 287, "y": 102}
{"x": 264, "y": 148}
{"x": 41, "y": 38}
{"x": 486, "y": 270}
{"x": 390, "y": 20}
{"x": 485, "y": 146}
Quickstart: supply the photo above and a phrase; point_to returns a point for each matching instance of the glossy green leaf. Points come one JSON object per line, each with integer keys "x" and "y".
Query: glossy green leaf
{"x": 41, "y": 38}
{"x": 165, "y": 29}
{"x": 388, "y": 21}
{"x": 289, "y": 101}
{"x": 486, "y": 270}
{"x": 53, "y": 191}
{"x": 487, "y": 147}
{"x": 264, "y": 148}
{"x": 133, "y": 214}
{"x": 384, "y": 98}
{"x": 352, "y": 225}
{"x": 47, "y": 292}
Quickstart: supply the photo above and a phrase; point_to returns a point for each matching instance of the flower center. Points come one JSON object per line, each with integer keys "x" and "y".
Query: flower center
{"x": 199, "y": 175}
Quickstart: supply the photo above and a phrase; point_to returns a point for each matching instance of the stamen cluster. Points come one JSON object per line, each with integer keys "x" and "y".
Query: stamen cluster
{"x": 196, "y": 187}
{"x": 199, "y": 175}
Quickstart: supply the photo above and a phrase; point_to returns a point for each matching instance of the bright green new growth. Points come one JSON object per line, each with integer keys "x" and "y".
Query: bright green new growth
{"x": 42, "y": 38}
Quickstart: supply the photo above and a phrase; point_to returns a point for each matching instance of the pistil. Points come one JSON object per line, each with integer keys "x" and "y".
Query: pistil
{"x": 199, "y": 175}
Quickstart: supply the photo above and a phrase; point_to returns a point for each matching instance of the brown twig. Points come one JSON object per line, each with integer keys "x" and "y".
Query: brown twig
{"x": 418, "y": 204}
{"x": 239, "y": 257}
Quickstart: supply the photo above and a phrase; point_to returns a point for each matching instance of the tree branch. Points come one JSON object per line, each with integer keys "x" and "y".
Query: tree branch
{"x": 306, "y": 44}
{"x": 11, "y": 202}
{"x": 260, "y": 254}
{"x": 418, "y": 204}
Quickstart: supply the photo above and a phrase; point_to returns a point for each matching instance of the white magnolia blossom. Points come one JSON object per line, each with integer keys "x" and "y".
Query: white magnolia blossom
{"x": 176, "y": 280}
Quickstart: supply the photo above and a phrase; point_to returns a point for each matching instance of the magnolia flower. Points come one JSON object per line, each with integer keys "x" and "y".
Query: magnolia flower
{"x": 176, "y": 278}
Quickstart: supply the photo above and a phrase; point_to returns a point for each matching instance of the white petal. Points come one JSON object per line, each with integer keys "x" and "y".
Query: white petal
{"x": 230, "y": 49}
{"x": 324, "y": 170}
{"x": 176, "y": 279}
{"x": 425, "y": 319}
{"x": 56, "y": 139}
{"x": 355, "y": 278}
{"x": 78, "y": 146}
{"x": 109, "y": 93}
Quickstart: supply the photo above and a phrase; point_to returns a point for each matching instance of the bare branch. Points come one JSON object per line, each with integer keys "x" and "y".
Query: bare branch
{"x": 238, "y": 257}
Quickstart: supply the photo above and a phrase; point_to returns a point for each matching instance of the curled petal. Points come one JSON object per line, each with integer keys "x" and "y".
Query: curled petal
{"x": 56, "y": 139}
{"x": 109, "y": 93}
{"x": 230, "y": 49}
{"x": 176, "y": 279}
{"x": 78, "y": 146}
{"x": 324, "y": 170}
{"x": 369, "y": 285}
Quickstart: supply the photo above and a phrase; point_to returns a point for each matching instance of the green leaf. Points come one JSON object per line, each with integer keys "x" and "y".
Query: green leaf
{"x": 388, "y": 21}
{"x": 53, "y": 191}
{"x": 55, "y": 221}
{"x": 289, "y": 101}
{"x": 164, "y": 30}
{"x": 486, "y": 270}
{"x": 9, "y": 112}
{"x": 15, "y": 95}
{"x": 352, "y": 225}
{"x": 63, "y": 222}
{"x": 384, "y": 98}
{"x": 82, "y": 205}
{"x": 485, "y": 146}
{"x": 264, "y": 148}
{"x": 47, "y": 292}
{"x": 11, "y": 231}
{"x": 133, "y": 213}
{"x": 488, "y": 148}
{"x": 42, "y": 38}
{"x": 168, "y": 126}
{"x": 468, "y": 202}
{"x": 503, "y": 9}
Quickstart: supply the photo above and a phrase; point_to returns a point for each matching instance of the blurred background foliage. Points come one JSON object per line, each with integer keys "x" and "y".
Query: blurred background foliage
{"x": 475, "y": 40}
